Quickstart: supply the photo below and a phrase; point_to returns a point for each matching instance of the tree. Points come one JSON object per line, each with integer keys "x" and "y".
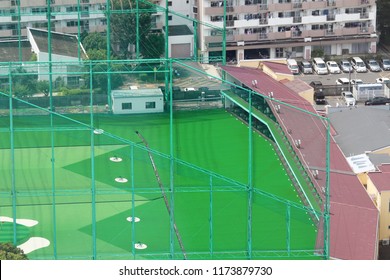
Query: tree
{"x": 43, "y": 86}
{"x": 156, "y": 49}
{"x": 24, "y": 83}
{"x": 20, "y": 90}
{"x": 123, "y": 27}
{"x": 94, "y": 41}
{"x": 10, "y": 252}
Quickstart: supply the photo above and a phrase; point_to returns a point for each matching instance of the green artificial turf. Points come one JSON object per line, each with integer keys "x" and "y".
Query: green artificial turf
{"x": 208, "y": 221}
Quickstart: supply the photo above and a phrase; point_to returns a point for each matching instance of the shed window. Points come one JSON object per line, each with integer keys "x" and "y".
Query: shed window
{"x": 150, "y": 105}
{"x": 126, "y": 106}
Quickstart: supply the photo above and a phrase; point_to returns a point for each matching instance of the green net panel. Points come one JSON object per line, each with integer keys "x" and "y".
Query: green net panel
{"x": 89, "y": 173}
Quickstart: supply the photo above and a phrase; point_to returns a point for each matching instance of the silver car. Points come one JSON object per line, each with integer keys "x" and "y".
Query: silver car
{"x": 346, "y": 66}
{"x": 306, "y": 67}
{"x": 373, "y": 65}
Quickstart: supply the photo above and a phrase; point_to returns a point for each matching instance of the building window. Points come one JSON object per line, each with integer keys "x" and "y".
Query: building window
{"x": 279, "y": 52}
{"x": 169, "y": 17}
{"x": 126, "y": 106}
{"x": 150, "y": 105}
{"x": 169, "y": 3}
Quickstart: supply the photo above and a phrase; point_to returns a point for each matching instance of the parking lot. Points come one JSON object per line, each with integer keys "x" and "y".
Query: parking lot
{"x": 330, "y": 79}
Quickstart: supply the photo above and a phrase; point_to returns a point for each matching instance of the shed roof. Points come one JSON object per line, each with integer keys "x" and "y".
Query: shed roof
{"x": 277, "y": 67}
{"x": 9, "y": 51}
{"x": 133, "y": 93}
{"x": 179, "y": 30}
{"x": 61, "y": 43}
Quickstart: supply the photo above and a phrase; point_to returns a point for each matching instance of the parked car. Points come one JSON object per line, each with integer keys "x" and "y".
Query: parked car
{"x": 293, "y": 66}
{"x": 319, "y": 97}
{"x": 342, "y": 81}
{"x": 358, "y": 65}
{"x": 385, "y": 64}
{"x": 333, "y": 68}
{"x": 383, "y": 80}
{"x": 379, "y": 100}
{"x": 373, "y": 65}
{"x": 349, "y": 100}
{"x": 305, "y": 67}
{"x": 356, "y": 81}
{"x": 346, "y": 66}
{"x": 315, "y": 84}
{"x": 319, "y": 66}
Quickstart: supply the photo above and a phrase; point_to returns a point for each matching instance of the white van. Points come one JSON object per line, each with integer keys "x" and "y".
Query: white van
{"x": 358, "y": 64}
{"x": 293, "y": 66}
{"x": 319, "y": 66}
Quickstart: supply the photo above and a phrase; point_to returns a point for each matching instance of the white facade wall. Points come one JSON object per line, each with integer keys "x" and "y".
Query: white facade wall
{"x": 183, "y": 39}
{"x": 138, "y": 104}
{"x": 352, "y": 21}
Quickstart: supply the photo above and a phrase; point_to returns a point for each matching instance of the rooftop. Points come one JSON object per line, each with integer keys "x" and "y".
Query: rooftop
{"x": 61, "y": 43}
{"x": 9, "y": 51}
{"x": 354, "y": 218}
{"x": 355, "y": 128}
{"x": 125, "y": 93}
{"x": 381, "y": 179}
{"x": 179, "y": 30}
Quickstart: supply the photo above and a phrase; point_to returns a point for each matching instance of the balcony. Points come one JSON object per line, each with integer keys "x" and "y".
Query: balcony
{"x": 263, "y": 21}
{"x": 364, "y": 15}
{"x": 229, "y": 23}
{"x": 297, "y": 19}
{"x": 330, "y": 33}
{"x": 330, "y": 17}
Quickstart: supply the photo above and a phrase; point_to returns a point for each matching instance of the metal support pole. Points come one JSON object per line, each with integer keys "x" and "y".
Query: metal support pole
{"x": 137, "y": 52}
{"x": 211, "y": 247}
{"x": 327, "y": 195}
{"x": 108, "y": 58}
{"x": 53, "y": 183}
{"x": 224, "y": 34}
{"x": 12, "y": 142}
{"x": 19, "y": 34}
{"x": 93, "y": 189}
{"x": 78, "y": 30}
{"x": 132, "y": 200}
{"x": 250, "y": 177}
{"x": 195, "y": 50}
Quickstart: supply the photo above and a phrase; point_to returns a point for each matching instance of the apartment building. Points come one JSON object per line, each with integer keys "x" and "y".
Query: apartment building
{"x": 287, "y": 28}
{"x": 254, "y": 28}
{"x": 64, "y": 16}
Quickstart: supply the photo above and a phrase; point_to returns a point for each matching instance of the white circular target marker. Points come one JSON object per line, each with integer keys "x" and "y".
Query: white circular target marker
{"x": 115, "y": 159}
{"x": 121, "y": 180}
{"x": 140, "y": 246}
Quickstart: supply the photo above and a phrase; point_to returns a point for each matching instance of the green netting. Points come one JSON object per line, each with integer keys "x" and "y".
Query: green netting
{"x": 199, "y": 180}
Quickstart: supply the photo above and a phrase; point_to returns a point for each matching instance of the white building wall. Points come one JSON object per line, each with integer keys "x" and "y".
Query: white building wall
{"x": 58, "y": 70}
{"x": 184, "y": 39}
{"x": 138, "y": 105}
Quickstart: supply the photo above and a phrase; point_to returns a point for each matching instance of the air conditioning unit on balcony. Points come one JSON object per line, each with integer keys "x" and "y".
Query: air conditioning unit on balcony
{"x": 385, "y": 242}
